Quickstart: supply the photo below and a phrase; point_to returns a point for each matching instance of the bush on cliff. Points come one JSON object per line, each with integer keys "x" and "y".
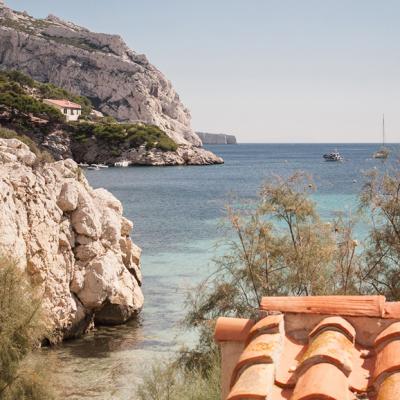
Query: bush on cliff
{"x": 21, "y": 328}
{"x": 17, "y": 82}
{"x": 134, "y": 135}
{"x": 22, "y": 109}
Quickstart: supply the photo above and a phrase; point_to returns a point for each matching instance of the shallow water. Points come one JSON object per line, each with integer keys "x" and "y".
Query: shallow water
{"x": 176, "y": 212}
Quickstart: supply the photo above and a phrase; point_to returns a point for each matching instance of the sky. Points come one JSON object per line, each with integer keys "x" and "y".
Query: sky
{"x": 264, "y": 70}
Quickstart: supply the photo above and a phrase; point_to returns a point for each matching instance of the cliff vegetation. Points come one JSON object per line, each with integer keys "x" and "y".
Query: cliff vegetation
{"x": 22, "y": 108}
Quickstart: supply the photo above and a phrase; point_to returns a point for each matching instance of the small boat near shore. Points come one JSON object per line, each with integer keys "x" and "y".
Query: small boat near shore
{"x": 100, "y": 165}
{"x": 83, "y": 165}
{"x": 333, "y": 156}
{"x": 121, "y": 164}
{"x": 93, "y": 168}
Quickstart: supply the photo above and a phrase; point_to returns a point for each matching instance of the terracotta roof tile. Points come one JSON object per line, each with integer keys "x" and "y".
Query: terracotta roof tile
{"x": 270, "y": 324}
{"x": 322, "y": 382}
{"x": 387, "y": 360}
{"x": 311, "y": 353}
{"x": 232, "y": 329}
{"x": 255, "y": 382}
{"x": 64, "y": 103}
{"x": 329, "y": 347}
{"x": 390, "y": 388}
{"x": 390, "y": 333}
{"x": 371, "y": 306}
{"x": 263, "y": 349}
{"x": 392, "y": 309}
{"x": 337, "y": 323}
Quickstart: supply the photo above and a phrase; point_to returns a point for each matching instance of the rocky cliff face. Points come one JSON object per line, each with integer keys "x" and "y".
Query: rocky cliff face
{"x": 120, "y": 82}
{"x": 71, "y": 239}
{"x": 216, "y": 138}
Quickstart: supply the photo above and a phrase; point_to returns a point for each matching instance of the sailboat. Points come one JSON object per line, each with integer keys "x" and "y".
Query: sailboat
{"x": 383, "y": 152}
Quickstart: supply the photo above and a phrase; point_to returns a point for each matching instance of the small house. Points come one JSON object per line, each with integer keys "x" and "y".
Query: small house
{"x": 71, "y": 110}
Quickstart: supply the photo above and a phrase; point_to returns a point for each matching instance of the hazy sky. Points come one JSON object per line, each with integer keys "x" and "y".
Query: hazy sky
{"x": 267, "y": 71}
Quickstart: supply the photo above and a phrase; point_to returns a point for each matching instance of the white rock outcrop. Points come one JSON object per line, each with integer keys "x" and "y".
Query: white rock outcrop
{"x": 71, "y": 239}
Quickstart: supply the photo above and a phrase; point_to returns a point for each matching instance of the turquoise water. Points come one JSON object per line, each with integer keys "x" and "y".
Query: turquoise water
{"x": 176, "y": 213}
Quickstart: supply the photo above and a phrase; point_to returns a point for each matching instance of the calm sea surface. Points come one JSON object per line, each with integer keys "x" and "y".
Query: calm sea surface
{"x": 176, "y": 212}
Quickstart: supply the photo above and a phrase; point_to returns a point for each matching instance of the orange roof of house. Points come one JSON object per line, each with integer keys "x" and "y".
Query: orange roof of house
{"x": 316, "y": 348}
{"x": 64, "y": 103}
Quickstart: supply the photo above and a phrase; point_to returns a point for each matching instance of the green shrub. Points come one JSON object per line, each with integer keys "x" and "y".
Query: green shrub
{"x": 17, "y": 101}
{"x": 21, "y": 328}
{"x": 134, "y": 135}
{"x": 14, "y": 81}
{"x": 19, "y": 77}
{"x": 24, "y": 104}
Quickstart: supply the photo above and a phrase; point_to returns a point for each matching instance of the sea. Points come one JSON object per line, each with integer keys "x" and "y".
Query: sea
{"x": 179, "y": 216}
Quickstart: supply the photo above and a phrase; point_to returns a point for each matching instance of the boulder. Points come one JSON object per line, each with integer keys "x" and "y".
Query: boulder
{"x": 68, "y": 199}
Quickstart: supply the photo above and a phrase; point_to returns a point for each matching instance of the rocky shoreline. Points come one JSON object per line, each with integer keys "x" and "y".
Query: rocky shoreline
{"x": 92, "y": 153}
{"x": 72, "y": 240}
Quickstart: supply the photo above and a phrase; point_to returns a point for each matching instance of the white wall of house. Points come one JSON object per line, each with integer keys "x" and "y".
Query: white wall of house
{"x": 71, "y": 114}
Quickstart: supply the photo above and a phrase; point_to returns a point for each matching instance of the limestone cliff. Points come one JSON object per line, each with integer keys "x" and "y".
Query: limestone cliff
{"x": 216, "y": 138}
{"x": 70, "y": 238}
{"x": 120, "y": 82}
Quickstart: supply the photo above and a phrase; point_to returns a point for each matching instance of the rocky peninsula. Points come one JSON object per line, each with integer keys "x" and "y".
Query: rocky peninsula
{"x": 118, "y": 81}
{"x": 71, "y": 239}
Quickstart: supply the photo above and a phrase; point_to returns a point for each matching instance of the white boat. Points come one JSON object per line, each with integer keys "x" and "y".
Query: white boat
{"x": 333, "y": 156}
{"x": 83, "y": 165}
{"x": 383, "y": 152}
{"x": 121, "y": 164}
{"x": 93, "y": 167}
{"x": 100, "y": 165}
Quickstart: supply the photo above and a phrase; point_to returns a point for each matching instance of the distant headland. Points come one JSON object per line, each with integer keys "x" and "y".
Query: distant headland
{"x": 216, "y": 138}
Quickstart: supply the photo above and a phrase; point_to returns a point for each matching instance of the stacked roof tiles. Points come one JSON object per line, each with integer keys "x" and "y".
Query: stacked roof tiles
{"x": 313, "y": 348}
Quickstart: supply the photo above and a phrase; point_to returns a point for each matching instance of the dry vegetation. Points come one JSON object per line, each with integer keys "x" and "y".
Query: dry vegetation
{"x": 22, "y": 326}
{"x": 283, "y": 247}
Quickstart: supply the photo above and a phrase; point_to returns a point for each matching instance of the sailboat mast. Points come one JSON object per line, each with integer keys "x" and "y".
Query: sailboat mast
{"x": 383, "y": 129}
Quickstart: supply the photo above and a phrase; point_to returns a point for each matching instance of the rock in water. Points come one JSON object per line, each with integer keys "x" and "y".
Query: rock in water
{"x": 120, "y": 82}
{"x": 72, "y": 240}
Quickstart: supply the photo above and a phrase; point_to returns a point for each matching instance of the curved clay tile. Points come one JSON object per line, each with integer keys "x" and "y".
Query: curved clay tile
{"x": 263, "y": 349}
{"x": 387, "y": 361}
{"x": 390, "y": 388}
{"x": 334, "y": 323}
{"x": 268, "y": 324}
{"x": 329, "y": 347}
{"x": 232, "y": 329}
{"x": 390, "y": 333}
{"x": 255, "y": 382}
{"x": 322, "y": 382}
